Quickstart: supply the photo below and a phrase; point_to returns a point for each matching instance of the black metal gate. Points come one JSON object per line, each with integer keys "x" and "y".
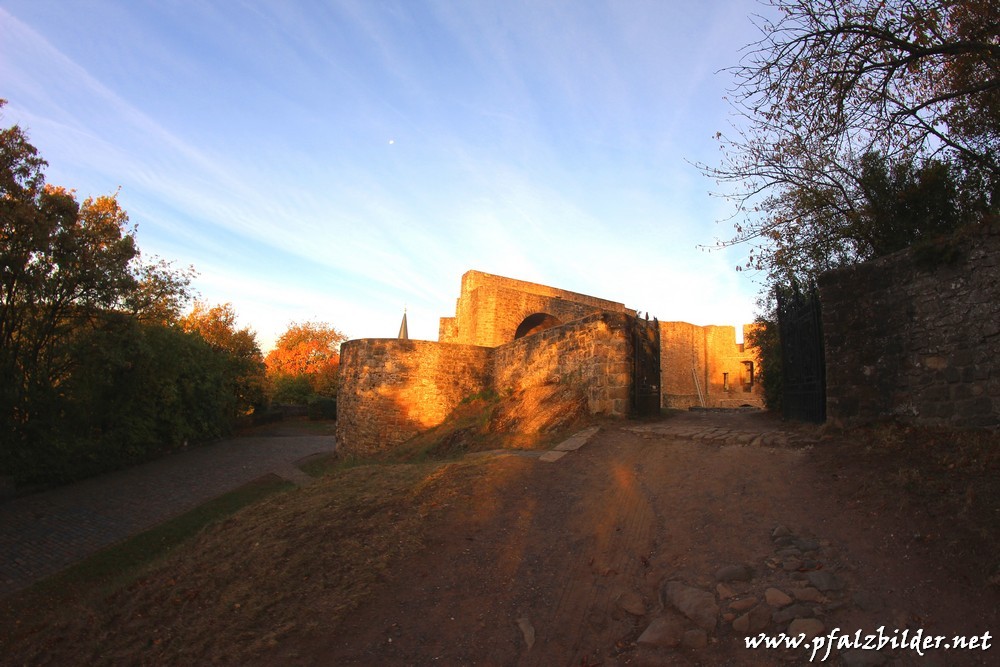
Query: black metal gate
{"x": 645, "y": 366}
{"x": 803, "y": 365}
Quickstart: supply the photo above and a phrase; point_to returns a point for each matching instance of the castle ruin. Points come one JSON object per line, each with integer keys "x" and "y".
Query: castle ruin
{"x": 510, "y": 335}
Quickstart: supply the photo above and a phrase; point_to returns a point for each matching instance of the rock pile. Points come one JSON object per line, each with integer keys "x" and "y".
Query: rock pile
{"x": 799, "y": 588}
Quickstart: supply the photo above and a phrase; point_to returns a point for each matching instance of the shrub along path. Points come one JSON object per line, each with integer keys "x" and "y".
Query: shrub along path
{"x": 45, "y": 532}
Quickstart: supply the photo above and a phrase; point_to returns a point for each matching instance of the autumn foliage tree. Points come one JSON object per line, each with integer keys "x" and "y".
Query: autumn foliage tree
{"x": 96, "y": 370}
{"x": 845, "y": 105}
{"x": 217, "y": 326}
{"x": 304, "y": 362}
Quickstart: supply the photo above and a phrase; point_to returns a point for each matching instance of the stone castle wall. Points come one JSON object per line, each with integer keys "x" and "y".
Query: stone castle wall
{"x": 392, "y": 389}
{"x": 491, "y": 308}
{"x": 704, "y": 366}
{"x": 593, "y": 352}
{"x": 915, "y": 336}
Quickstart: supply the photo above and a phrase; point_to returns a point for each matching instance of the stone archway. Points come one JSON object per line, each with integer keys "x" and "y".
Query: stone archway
{"x": 534, "y": 323}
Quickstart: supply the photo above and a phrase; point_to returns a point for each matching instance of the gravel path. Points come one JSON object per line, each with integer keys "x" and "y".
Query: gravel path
{"x": 43, "y": 533}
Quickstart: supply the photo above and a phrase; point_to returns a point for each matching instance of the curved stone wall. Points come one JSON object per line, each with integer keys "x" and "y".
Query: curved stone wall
{"x": 392, "y": 389}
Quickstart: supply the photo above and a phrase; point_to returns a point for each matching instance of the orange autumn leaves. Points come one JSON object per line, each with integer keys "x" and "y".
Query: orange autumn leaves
{"x": 302, "y": 366}
{"x": 304, "y": 362}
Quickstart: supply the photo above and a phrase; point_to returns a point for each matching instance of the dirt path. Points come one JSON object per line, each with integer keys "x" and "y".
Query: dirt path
{"x": 570, "y": 563}
{"x": 43, "y": 533}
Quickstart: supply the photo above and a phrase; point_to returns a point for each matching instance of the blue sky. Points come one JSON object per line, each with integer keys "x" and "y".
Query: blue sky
{"x": 338, "y": 161}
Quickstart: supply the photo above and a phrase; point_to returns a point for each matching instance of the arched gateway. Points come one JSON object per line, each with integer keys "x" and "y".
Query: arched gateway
{"x": 534, "y": 323}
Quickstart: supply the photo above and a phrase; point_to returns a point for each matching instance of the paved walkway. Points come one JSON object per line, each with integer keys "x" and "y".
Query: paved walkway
{"x": 44, "y": 533}
{"x": 731, "y": 427}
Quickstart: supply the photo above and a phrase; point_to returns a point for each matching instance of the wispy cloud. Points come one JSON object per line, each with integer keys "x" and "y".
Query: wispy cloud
{"x": 542, "y": 140}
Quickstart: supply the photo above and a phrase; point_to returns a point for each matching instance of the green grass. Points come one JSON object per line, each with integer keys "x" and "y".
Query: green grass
{"x": 117, "y": 565}
{"x": 318, "y": 466}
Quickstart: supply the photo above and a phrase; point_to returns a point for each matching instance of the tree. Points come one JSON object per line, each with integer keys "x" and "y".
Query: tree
{"x": 216, "y": 325}
{"x": 764, "y": 336}
{"x": 307, "y": 350}
{"x": 836, "y": 90}
{"x": 96, "y": 373}
{"x": 161, "y": 292}
{"x": 61, "y": 265}
{"x": 138, "y": 389}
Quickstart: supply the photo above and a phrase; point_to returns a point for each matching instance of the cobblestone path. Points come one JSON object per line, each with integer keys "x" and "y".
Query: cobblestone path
{"x": 43, "y": 533}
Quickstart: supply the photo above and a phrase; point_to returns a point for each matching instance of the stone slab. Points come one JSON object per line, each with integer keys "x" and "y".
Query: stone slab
{"x": 577, "y": 440}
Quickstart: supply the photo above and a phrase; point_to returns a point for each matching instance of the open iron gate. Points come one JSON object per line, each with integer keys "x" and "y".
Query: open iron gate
{"x": 803, "y": 365}
{"x": 646, "y": 366}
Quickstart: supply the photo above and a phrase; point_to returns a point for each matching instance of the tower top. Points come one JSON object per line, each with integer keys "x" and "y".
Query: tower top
{"x": 404, "y": 333}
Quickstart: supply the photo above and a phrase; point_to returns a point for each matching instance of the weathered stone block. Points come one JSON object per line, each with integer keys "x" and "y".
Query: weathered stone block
{"x": 618, "y": 393}
{"x": 884, "y": 317}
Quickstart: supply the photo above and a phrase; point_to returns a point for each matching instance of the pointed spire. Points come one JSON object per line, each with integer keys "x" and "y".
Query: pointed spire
{"x": 404, "y": 333}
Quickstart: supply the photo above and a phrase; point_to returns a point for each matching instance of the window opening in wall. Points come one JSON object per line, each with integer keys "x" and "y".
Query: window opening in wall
{"x": 748, "y": 377}
{"x": 725, "y": 382}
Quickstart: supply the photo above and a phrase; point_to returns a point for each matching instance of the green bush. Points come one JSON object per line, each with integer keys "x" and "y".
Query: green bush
{"x": 291, "y": 389}
{"x": 133, "y": 392}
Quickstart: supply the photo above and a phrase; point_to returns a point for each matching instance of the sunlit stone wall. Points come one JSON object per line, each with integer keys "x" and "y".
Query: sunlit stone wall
{"x": 490, "y": 308}
{"x": 592, "y": 353}
{"x": 915, "y": 336}
{"x": 705, "y": 366}
{"x": 392, "y": 389}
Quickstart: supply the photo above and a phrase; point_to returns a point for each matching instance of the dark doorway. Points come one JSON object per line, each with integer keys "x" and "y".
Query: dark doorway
{"x": 803, "y": 365}
{"x": 645, "y": 367}
{"x": 535, "y": 323}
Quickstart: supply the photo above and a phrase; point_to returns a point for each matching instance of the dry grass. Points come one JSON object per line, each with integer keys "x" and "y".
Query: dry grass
{"x": 535, "y": 418}
{"x": 952, "y": 476}
{"x": 249, "y": 588}
{"x": 282, "y": 568}
{"x": 245, "y": 587}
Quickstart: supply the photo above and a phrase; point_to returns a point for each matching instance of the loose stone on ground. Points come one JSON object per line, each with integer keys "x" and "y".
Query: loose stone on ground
{"x": 799, "y": 600}
{"x": 663, "y": 632}
{"x": 696, "y": 604}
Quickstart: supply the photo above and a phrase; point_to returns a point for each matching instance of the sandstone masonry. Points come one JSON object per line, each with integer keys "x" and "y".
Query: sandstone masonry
{"x": 511, "y": 335}
{"x": 492, "y": 309}
{"x": 915, "y": 335}
{"x": 392, "y": 389}
{"x": 704, "y": 367}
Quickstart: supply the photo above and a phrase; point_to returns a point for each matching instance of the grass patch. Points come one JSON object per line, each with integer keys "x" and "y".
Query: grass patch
{"x": 254, "y": 583}
{"x": 118, "y": 565}
{"x": 535, "y": 418}
{"x": 321, "y": 465}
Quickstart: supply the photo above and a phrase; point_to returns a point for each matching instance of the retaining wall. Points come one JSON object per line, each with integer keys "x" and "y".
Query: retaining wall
{"x": 593, "y": 353}
{"x": 915, "y": 336}
{"x": 392, "y": 389}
